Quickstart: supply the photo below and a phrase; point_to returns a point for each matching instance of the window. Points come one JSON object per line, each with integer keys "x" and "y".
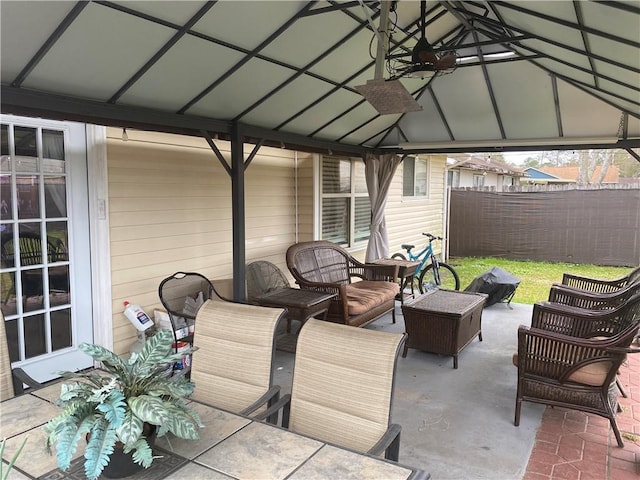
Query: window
{"x": 415, "y": 177}
{"x": 508, "y": 181}
{"x": 346, "y": 210}
{"x": 478, "y": 180}
{"x": 453, "y": 178}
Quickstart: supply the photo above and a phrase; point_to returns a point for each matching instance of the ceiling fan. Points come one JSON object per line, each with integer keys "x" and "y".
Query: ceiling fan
{"x": 390, "y": 96}
{"x": 423, "y": 56}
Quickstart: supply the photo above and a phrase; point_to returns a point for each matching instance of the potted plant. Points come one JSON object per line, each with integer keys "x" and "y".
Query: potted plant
{"x": 113, "y": 409}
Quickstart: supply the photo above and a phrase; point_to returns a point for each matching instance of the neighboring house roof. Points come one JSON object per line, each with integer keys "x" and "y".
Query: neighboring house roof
{"x": 534, "y": 174}
{"x": 571, "y": 173}
{"x": 486, "y": 165}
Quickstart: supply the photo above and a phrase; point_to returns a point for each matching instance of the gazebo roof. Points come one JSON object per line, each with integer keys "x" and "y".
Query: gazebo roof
{"x": 531, "y": 75}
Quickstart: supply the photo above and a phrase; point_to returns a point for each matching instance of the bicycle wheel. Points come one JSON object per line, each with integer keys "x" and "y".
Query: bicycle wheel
{"x": 448, "y": 278}
{"x": 399, "y": 256}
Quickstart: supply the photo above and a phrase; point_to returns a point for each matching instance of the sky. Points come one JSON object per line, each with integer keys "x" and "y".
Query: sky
{"x": 517, "y": 158}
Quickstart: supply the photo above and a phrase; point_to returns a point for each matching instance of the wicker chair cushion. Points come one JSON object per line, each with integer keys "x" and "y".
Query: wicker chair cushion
{"x": 343, "y": 382}
{"x": 593, "y": 374}
{"x": 233, "y": 365}
{"x": 366, "y": 295}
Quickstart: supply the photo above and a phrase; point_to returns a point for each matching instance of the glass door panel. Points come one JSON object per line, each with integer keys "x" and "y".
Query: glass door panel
{"x": 38, "y": 272}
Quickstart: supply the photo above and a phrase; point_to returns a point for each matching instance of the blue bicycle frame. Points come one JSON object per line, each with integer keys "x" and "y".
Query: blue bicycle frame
{"x": 429, "y": 261}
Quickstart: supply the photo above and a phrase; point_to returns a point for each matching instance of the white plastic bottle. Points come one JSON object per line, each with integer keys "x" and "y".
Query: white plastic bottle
{"x": 137, "y": 316}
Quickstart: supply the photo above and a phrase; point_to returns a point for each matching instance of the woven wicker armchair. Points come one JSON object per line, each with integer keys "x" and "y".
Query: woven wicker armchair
{"x": 597, "y": 285}
{"x": 584, "y": 323}
{"x": 570, "y": 372}
{"x": 593, "y": 300}
{"x": 342, "y": 388}
{"x": 326, "y": 267}
{"x": 233, "y": 366}
{"x": 263, "y": 277}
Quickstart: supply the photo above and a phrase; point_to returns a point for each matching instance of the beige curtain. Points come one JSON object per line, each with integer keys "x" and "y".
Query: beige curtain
{"x": 379, "y": 171}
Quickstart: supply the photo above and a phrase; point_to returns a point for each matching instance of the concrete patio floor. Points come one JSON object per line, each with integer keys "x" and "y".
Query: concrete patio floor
{"x": 458, "y": 424}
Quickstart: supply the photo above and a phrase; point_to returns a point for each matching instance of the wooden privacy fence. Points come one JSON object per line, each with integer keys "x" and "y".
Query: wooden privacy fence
{"x": 599, "y": 227}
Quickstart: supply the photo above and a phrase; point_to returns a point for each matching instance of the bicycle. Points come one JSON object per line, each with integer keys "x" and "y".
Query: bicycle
{"x": 444, "y": 275}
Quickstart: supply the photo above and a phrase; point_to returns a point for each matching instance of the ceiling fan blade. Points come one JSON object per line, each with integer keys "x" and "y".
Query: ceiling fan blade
{"x": 445, "y": 62}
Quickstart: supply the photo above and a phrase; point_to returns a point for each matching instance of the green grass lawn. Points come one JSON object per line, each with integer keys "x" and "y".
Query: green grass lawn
{"x": 536, "y": 278}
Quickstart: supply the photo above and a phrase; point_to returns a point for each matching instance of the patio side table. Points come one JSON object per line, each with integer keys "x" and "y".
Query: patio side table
{"x": 301, "y": 305}
{"x": 443, "y": 321}
{"x": 406, "y": 270}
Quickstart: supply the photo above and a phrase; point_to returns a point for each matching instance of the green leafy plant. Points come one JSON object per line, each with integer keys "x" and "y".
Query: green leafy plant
{"x": 113, "y": 406}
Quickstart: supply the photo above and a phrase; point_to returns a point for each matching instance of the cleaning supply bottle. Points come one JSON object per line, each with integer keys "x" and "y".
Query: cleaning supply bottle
{"x": 137, "y": 316}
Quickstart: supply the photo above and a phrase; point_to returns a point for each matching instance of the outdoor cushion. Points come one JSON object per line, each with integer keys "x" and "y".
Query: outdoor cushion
{"x": 593, "y": 374}
{"x": 365, "y": 295}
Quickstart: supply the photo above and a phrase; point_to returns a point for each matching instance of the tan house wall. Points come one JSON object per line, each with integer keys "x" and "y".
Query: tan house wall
{"x": 407, "y": 218}
{"x": 170, "y": 210}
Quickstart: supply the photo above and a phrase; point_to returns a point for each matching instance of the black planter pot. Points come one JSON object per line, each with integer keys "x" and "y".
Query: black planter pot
{"x": 121, "y": 464}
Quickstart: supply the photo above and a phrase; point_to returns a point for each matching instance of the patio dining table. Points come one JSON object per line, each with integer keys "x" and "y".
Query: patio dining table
{"x": 231, "y": 446}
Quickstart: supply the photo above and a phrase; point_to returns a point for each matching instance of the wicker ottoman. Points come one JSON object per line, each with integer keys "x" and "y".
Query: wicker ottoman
{"x": 443, "y": 321}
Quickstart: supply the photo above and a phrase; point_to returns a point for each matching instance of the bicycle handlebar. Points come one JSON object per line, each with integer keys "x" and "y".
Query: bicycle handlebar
{"x": 431, "y": 237}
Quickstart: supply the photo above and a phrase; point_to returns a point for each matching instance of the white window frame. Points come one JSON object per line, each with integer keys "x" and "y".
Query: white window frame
{"x": 453, "y": 178}
{"x": 427, "y": 190}
{"x": 478, "y": 179}
{"x": 351, "y": 196}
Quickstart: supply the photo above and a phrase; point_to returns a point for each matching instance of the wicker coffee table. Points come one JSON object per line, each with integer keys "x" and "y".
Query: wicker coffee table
{"x": 443, "y": 321}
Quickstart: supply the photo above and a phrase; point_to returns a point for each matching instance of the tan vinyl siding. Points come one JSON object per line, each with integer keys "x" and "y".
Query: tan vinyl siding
{"x": 407, "y": 218}
{"x": 170, "y": 210}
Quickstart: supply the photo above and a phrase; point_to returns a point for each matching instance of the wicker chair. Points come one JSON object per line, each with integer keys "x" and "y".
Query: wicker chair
{"x": 589, "y": 314}
{"x": 12, "y": 380}
{"x": 597, "y": 285}
{"x": 570, "y": 372}
{"x": 326, "y": 267}
{"x": 263, "y": 277}
{"x": 233, "y": 364}
{"x": 593, "y": 300}
{"x": 584, "y": 323}
{"x": 342, "y": 388}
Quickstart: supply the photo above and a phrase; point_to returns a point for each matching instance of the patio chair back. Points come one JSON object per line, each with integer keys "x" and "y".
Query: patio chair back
{"x": 233, "y": 366}
{"x": 600, "y": 285}
{"x": 182, "y": 294}
{"x": 343, "y": 382}
{"x": 319, "y": 261}
{"x": 578, "y": 322}
{"x": 174, "y": 290}
{"x": 593, "y": 300}
{"x": 264, "y": 277}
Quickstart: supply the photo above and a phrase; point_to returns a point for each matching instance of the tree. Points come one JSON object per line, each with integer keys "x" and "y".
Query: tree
{"x": 588, "y": 161}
